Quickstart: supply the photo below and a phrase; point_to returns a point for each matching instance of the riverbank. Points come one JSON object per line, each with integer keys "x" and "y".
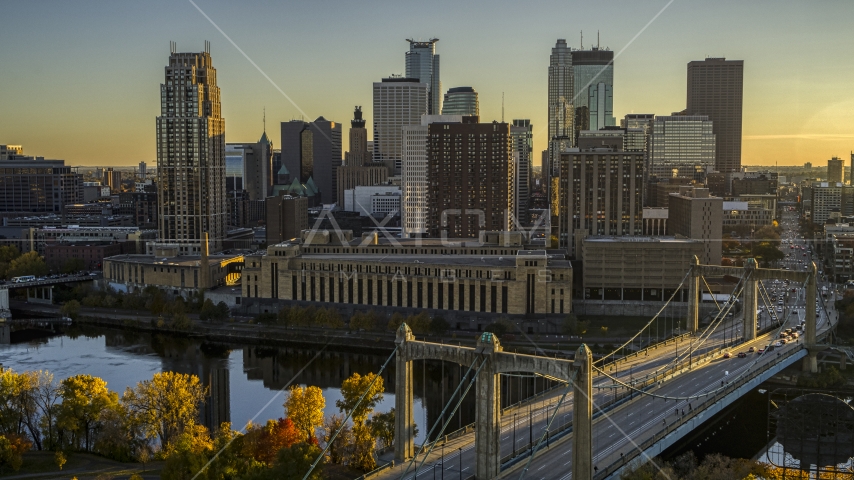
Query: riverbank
{"x": 561, "y": 346}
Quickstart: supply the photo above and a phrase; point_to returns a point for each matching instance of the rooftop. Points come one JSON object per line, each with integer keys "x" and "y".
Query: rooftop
{"x": 179, "y": 261}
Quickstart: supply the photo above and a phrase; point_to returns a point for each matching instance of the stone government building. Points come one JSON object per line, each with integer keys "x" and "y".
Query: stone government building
{"x": 471, "y": 284}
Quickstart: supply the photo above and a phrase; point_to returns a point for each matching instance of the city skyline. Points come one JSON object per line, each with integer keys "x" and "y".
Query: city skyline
{"x": 784, "y": 121}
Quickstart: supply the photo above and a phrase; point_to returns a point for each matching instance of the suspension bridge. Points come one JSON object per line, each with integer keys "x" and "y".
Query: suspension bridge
{"x": 619, "y": 410}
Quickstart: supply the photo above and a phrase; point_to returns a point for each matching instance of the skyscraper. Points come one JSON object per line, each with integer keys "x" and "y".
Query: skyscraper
{"x": 715, "y": 88}
{"x": 359, "y": 168}
{"x": 312, "y": 150}
{"x": 522, "y": 136}
{"x": 836, "y": 170}
{"x": 398, "y": 102}
{"x": 191, "y": 154}
{"x": 470, "y": 174}
{"x": 422, "y": 64}
{"x": 249, "y": 166}
{"x": 681, "y": 146}
{"x": 593, "y": 80}
{"x": 561, "y": 91}
{"x": 599, "y": 193}
{"x": 413, "y": 174}
{"x": 461, "y": 101}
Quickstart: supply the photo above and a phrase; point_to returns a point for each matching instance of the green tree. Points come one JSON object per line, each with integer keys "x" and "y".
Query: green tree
{"x": 439, "y": 326}
{"x": 7, "y": 254}
{"x": 72, "y": 265}
{"x": 353, "y": 388}
{"x": 304, "y": 406}
{"x": 208, "y": 311}
{"x": 223, "y": 311}
{"x": 85, "y": 399}
{"x": 166, "y": 405}
{"x": 70, "y": 309}
{"x": 419, "y": 323}
{"x": 292, "y": 464}
{"x": 30, "y": 263}
{"x": 180, "y": 321}
{"x": 382, "y": 426}
{"x": 573, "y": 326}
{"x": 396, "y": 320}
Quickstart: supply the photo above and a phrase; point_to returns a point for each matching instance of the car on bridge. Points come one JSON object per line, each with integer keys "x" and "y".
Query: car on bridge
{"x": 751, "y": 349}
{"x": 727, "y": 355}
{"x": 742, "y": 355}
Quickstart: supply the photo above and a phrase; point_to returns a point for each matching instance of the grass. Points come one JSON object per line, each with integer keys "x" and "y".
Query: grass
{"x": 81, "y": 465}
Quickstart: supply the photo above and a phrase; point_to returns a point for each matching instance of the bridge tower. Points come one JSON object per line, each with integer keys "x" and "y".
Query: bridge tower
{"x": 582, "y": 415}
{"x": 693, "y": 323}
{"x": 404, "y": 423}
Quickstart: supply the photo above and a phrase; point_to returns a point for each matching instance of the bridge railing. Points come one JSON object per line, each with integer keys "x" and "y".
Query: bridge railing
{"x": 708, "y": 401}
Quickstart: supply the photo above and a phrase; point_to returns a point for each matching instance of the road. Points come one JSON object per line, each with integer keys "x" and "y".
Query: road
{"x": 618, "y": 431}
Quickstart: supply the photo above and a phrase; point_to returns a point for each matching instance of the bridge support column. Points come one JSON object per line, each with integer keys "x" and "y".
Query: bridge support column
{"x": 751, "y": 300}
{"x": 582, "y": 415}
{"x": 810, "y": 361}
{"x": 843, "y": 362}
{"x": 404, "y": 424}
{"x": 40, "y": 295}
{"x": 693, "y": 323}
{"x": 487, "y": 434}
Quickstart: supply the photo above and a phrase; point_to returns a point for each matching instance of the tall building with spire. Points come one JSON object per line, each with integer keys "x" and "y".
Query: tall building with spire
{"x": 191, "y": 154}
{"x": 561, "y": 91}
{"x": 422, "y": 63}
{"x": 358, "y": 168}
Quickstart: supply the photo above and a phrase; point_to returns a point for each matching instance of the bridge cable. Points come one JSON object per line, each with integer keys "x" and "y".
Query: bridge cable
{"x": 711, "y": 294}
{"x": 648, "y": 323}
{"x": 548, "y": 425}
{"x": 344, "y": 423}
{"x": 719, "y": 317}
{"x": 447, "y": 422}
{"x": 616, "y": 381}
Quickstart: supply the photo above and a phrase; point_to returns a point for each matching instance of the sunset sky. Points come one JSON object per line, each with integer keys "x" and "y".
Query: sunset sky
{"x": 80, "y": 80}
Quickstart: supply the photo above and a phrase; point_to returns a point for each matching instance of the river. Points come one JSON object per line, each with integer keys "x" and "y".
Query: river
{"x": 246, "y": 382}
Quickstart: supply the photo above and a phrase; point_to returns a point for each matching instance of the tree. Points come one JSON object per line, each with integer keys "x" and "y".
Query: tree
{"x": 70, "y": 309}
{"x": 180, "y": 321}
{"x": 364, "y": 321}
{"x": 46, "y": 394}
{"x": 187, "y": 454}
{"x": 304, "y": 406}
{"x": 30, "y": 263}
{"x": 72, "y": 265}
{"x": 264, "y": 442}
{"x": 208, "y": 311}
{"x": 11, "y": 452}
{"x": 340, "y": 450}
{"x": 353, "y": 388}
{"x": 292, "y": 464}
{"x": 382, "y": 426}
{"x": 439, "y": 326}
{"x": 166, "y": 405}
{"x": 84, "y": 400}
{"x": 573, "y": 326}
{"x": 420, "y": 323}
{"x": 59, "y": 459}
{"x": 224, "y": 311}
{"x": 395, "y": 322}
{"x": 364, "y": 445}
{"x": 7, "y": 254}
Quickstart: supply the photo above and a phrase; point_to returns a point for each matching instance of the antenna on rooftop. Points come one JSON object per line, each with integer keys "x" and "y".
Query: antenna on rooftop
{"x": 597, "y": 39}
{"x": 582, "y": 40}
{"x": 502, "y": 107}
{"x": 265, "y": 119}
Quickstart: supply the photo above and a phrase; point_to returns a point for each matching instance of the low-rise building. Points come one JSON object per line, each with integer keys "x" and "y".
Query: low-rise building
{"x": 375, "y": 201}
{"x": 741, "y": 216}
{"x": 620, "y": 271}
{"x": 470, "y": 280}
{"x": 90, "y": 254}
{"x": 178, "y": 275}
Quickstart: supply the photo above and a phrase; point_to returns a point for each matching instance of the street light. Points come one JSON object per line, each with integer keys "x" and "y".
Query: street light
{"x": 461, "y": 462}
{"x": 443, "y": 461}
{"x": 514, "y": 433}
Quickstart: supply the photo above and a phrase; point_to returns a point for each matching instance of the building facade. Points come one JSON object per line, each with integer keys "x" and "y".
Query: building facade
{"x": 422, "y": 64}
{"x": 287, "y": 216}
{"x": 471, "y": 177}
{"x": 593, "y": 80}
{"x": 522, "y": 136}
{"x": 681, "y": 146}
{"x": 312, "y": 150}
{"x": 715, "y": 88}
{"x": 358, "y": 168}
{"x": 377, "y": 201}
{"x": 461, "y": 101}
{"x": 191, "y": 154}
{"x": 599, "y": 193}
{"x": 836, "y": 170}
{"x": 647, "y": 269}
{"x": 693, "y": 213}
{"x": 486, "y": 278}
{"x": 398, "y": 102}
{"x": 36, "y": 185}
{"x": 561, "y": 93}
{"x": 413, "y": 174}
